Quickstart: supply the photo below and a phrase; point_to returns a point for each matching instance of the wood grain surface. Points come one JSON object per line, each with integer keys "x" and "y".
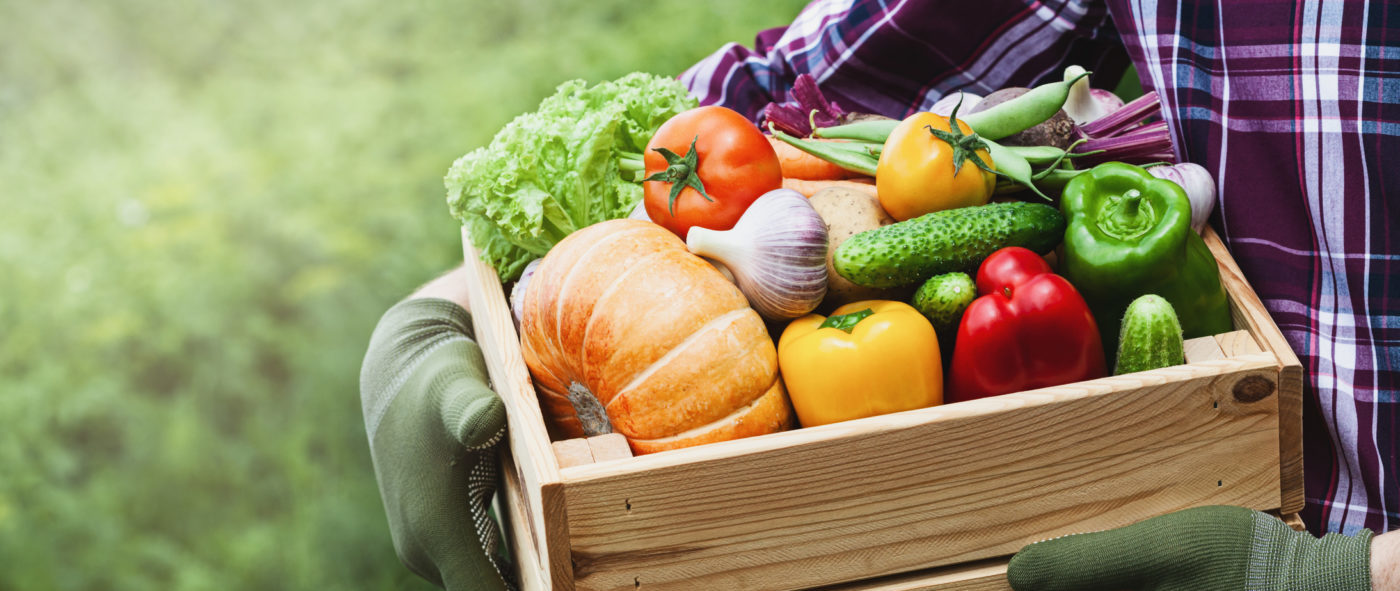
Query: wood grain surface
{"x": 572, "y": 452}
{"x": 1236, "y": 343}
{"x": 983, "y": 575}
{"x": 589, "y": 450}
{"x": 516, "y": 518}
{"x": 536, "y": 469}
{"x": 609, "y": 446}
{"x": 880, "y": 501}
{"x": 1250, "y": 314}
{"x": 1203, "y": 349}
{"x": 931, "y": 487}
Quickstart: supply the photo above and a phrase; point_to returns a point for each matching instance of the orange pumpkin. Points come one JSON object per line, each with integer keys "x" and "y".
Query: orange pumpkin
{"x": 625, "y": 330}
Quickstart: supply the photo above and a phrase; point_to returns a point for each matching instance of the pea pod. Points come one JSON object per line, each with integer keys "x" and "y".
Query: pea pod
{"x": 868, "y": 131}
{"x": 855, "y": 160}
{"x": 1056, "y": 178}
{"x": 1013, "y": 116}
{"x": 856, "y": 146}
{"x": 1022, "y": 112}
{"x": 1049, "y": 156}
{"x": 1038, "y": 155}
{"x": 1049, "y": 179}
{"x": 1011, "y": 165}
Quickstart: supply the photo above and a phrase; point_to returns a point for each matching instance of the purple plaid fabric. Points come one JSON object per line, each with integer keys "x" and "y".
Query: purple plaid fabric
{"x": 1294, "y": 107}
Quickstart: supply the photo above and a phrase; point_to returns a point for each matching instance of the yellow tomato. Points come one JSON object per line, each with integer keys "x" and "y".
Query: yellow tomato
{"x": 880, "y": 357}
{"x": 915, "y": 175}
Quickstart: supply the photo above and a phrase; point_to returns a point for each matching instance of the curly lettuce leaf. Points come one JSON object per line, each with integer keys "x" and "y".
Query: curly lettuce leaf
{"x": 549, "y": 173}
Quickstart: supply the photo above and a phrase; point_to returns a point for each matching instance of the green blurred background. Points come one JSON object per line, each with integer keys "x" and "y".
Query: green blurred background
{"x": 204, "y": 209}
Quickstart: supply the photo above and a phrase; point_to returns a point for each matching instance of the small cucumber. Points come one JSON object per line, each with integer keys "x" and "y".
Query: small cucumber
{"x": 911, "y": 251}
{"x": 1150, "y": 337}
{"x": 943, "y": 299}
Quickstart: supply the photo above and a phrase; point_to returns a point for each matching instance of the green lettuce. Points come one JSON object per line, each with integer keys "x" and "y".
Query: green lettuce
{"x": 559, "y": 169}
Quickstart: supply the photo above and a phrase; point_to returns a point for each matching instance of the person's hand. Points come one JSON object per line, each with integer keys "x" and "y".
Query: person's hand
{"x": 434, "y": 426}
{"x": 1202, "y": 549}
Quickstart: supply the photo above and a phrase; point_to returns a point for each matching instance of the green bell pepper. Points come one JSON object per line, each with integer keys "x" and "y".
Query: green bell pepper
{"x": 1129, "y": 234}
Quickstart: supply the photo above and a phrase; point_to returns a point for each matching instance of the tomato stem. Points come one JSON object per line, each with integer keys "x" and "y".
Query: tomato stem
{"x": 965, "y": 146}
{"x": 680, "y": 172}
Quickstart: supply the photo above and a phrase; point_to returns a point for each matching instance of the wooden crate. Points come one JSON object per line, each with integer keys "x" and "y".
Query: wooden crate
{"x": 936, "y": 498}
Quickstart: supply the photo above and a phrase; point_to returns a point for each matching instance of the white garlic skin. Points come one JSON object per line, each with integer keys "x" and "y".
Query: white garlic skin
{"x": 1199, "y": 187}
{"x": 776, "y": 252}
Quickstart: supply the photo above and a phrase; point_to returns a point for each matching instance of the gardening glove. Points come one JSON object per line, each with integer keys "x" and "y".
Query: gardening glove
{"x": 434, "y": 427}
{"x": 1202, "y": 549}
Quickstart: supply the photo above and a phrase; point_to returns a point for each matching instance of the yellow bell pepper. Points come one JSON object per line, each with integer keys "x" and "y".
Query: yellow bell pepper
{"x": 869, "y": 358}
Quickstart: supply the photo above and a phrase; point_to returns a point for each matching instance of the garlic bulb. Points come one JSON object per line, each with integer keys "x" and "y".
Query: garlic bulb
{"x": 1199, "y": 186}
{"x": 517, "y": 293}
{"x": 776, "y": 252}
{"x": 1086, "y": 104}
{"x": 945, "y": 105}
{"x": 723, "y": 270}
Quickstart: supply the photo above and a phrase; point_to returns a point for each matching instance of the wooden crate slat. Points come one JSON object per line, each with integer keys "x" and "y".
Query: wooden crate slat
{"x": 884, "y": 504}
{"x": 609, "y": 446}
{"x": 537, "y": 491}
{"x": 984, "y": 575}
{"x": 1203, "y": 349}
{"x": 1237, "y": 343}
{"x": 524, "y": 549}
{"x": 1250, "y": 314}
{"x": 1295, "y": 521}
{"x": 534, "y": 462}
{"x": 572, "y": 452}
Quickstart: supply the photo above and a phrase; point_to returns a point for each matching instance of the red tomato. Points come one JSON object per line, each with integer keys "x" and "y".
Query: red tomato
{"x": 732, "y": 160}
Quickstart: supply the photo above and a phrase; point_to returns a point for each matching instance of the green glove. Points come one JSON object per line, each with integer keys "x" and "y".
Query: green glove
{"x": 1202, "y": 549}
{"x": 434, "y": 427}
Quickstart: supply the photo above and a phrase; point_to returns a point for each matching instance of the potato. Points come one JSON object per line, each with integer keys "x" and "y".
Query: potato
{"x": 848, "y": 212}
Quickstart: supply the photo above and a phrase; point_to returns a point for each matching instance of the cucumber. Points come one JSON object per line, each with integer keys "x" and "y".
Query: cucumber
{"x": 911, "y": 251}
{"x": 1150, "y": 337}
{"x": 943, "y": 298}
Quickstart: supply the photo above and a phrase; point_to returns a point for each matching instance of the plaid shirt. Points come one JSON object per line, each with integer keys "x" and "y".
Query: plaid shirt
{"x": 1293, "y": 107}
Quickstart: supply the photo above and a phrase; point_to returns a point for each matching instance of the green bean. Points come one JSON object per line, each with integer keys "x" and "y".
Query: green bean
{"x": 1039, "y": 155}
{"x": 871, "y": 131}
{"x": 1023, "y": 112}
{"x": 1057, "y": 178}
{"x": 1011, "y": 165}
{"x": 859, "y": 147}
{"x": 852, "y": 160}
{"x": 1049, "y": 156}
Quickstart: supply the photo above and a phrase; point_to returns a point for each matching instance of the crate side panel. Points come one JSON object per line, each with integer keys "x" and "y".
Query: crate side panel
{"x": 1250, "y": 314}
{"x": 957, "y": 487}
{"x": 524, "y": 548}
{"x": 536, "y": 469}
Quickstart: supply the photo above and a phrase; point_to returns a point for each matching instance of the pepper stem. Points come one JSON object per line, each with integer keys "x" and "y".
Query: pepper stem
{"x": 1131, "y": 201}
{"x": 847, "y": 322}
{"x": 1126, "y": 216}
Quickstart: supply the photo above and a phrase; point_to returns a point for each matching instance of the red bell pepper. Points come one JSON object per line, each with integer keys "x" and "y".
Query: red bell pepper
{"x": 1028, "y": 328}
